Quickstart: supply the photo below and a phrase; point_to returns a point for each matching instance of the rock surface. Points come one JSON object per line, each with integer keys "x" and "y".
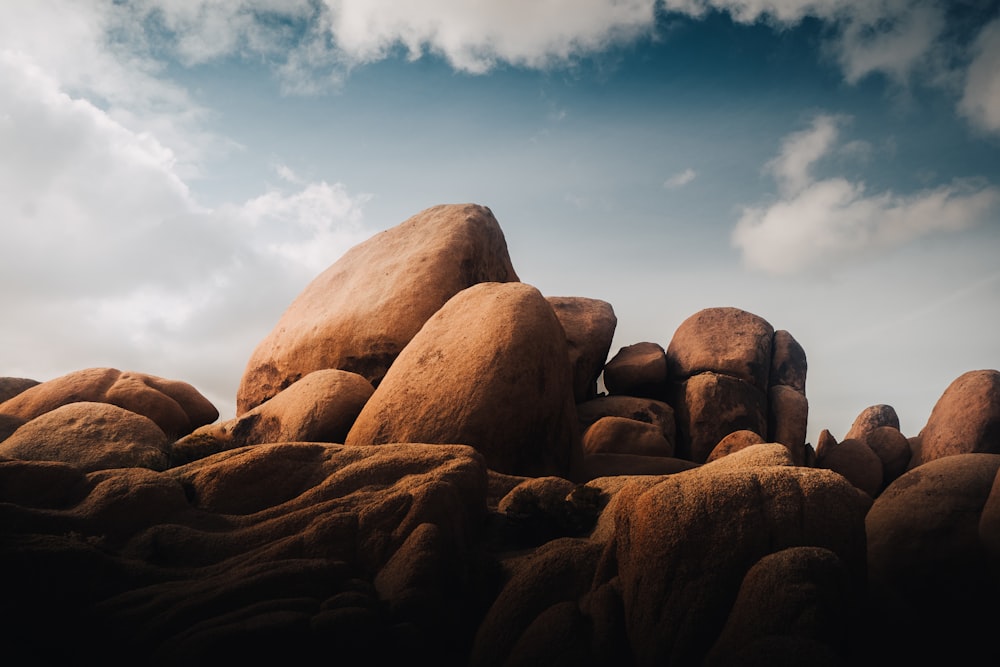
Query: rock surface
{"x": 489, "y": 370}
{"x": 176, "y": 407}
{"x": 361, "y": 312}
{"x": 465, "y": 521}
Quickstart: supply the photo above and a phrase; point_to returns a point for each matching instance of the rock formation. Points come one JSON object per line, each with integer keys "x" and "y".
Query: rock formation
{"x": 422, "y": 470}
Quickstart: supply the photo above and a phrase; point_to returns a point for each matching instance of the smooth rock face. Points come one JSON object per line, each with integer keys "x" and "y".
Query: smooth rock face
{"x": 321, "y": 407}
{"x": 872, "y": 418}
{"x": 590, "y": 326}
{"x": 966, "y": 419}
{"x": 176, "y": 407}
{"x": 90, "y": 436}
{"x": 646, "y": 410}
{"x": 856, "y": 462}
{"x": 788, "y": 362}
{"x": 490, "y": 369}
{"x": 639, "y": 369}
{"x": 362, "y": 311}
{"x": 620, "y": 435}
{"x": 729, "y": 341}
{"x": 734, "y": 442}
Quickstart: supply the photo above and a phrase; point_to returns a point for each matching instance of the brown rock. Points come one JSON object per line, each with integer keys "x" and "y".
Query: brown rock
{"x": 599, "y": 465}
{"x": 176, "y": 407}
{"x": 684, "y": 546}
{"x": 91, "y": 436}
{"x": 788, "y": 362}
{"x": 734, "y": 442}
{"x": 620, "y": 435}
{"x": 321, "y": 407}
{"x": 788, "y": 419}
{"x": 637, "y": 370}
{"x": 9, "y": 424}
{"x": 965, "y": 420}
{"x": 931, "y": 573}
{"x": 872, "y": 418}
{"x": 825, "y": 443}
{"x": 646, "y": 410}
{"x": 710, "y": 406}
{"x": 728, "y": 341}
{"x": 590, "y": 326}
{"x": 362, "y": 311}
{"x": 800, "y": 594}
{"x": 560, "y": 571}
{"x": 11, "y": 387}
{"x": 989, "y": 521}
{"x": 856, "y": 462}
{"x": 892, "y": 448}
{"x": 489, "y": 370}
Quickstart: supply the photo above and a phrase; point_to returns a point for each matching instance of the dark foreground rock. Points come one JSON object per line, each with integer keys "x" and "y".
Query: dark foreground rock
{"x": 422, "y": 472}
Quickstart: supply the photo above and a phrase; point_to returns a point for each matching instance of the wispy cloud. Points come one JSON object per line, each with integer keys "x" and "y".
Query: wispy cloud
{"x": 680, "y": 179}
{"x": 818, "y": 223}
{"x": 981, "y": 95}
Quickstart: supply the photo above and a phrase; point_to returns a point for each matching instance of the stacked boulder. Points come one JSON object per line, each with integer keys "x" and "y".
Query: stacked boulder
{"x": 422, "y": 467}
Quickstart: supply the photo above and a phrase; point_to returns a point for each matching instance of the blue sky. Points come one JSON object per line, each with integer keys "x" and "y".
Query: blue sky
{"x": 173, "y": 173}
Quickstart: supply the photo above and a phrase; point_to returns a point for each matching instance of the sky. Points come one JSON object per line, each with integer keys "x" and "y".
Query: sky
{"x": 174, "y": 172}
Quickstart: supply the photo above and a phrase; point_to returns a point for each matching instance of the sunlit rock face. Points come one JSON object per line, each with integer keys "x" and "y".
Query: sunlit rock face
{"x": 361, "y": 312}
{"x": 424, "y": 471}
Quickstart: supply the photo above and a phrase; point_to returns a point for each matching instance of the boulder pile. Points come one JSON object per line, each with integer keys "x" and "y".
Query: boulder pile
{"x": 432, "y": 461}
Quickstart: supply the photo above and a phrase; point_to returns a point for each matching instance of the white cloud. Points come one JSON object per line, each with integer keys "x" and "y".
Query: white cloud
{"x": 817, "y": 224}
{"x": 981, "y": 97}
{"x": 473, "y": 35}
{"x": 109, "y": 259}
{"x": 680, "y": 179}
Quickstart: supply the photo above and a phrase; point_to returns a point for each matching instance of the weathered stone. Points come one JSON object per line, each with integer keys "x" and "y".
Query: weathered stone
{"x": 727, "y": 341}
{"x": 91, "y": 436}
{"x": 11, "y": 387}
{"x": 710, "y": 406}
{"x": 639, "y": 369}
{"x": 856, "y": 462}
{"x": 788, "y": 419}
{"x": 321, "y": 407}
{"x": 620, "y": 435}
{"x": 801, "y": 594}
{"x": 734, "y": 442}
{"x": 176, "y": 407}
{"x": 965, "y": 420}
{"x": 931, "y": 573}
{"x": 363, "y": 310}
{"x": 590, "y": 327}
{"x": 488, "y": 370}
{"x": 646, "y": 410}
{"x": 893, "y": 450}
{"x": 607, "y": 465}
{"x": 681, "y": 563}
{"x": 872, "y": 418}
{"x": 788, "y": 362}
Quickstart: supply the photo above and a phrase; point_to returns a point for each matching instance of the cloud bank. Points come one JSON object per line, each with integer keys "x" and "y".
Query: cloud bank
{"x": 816, "y": 224}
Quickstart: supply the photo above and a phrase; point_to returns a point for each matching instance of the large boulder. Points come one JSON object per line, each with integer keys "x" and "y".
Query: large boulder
{"x": 321, "y": 407}
{"x": 684, "y": 546}
{"x": 710, "y": 406}
{"x": 965, "y": 420}
{"x": 176, "y": 407}
{"x": 358, "y": 314}
{"x": 729, "y": 341}
{"x": 590, "y": 326}
{"x": 639, "y": 369}
{"x": 91, "y": 436}
{"x": 932, "y": 572}
{"x": 871, "y": 418}
{"x": 621, "y": 435}
{"x": 490, "y": 369}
